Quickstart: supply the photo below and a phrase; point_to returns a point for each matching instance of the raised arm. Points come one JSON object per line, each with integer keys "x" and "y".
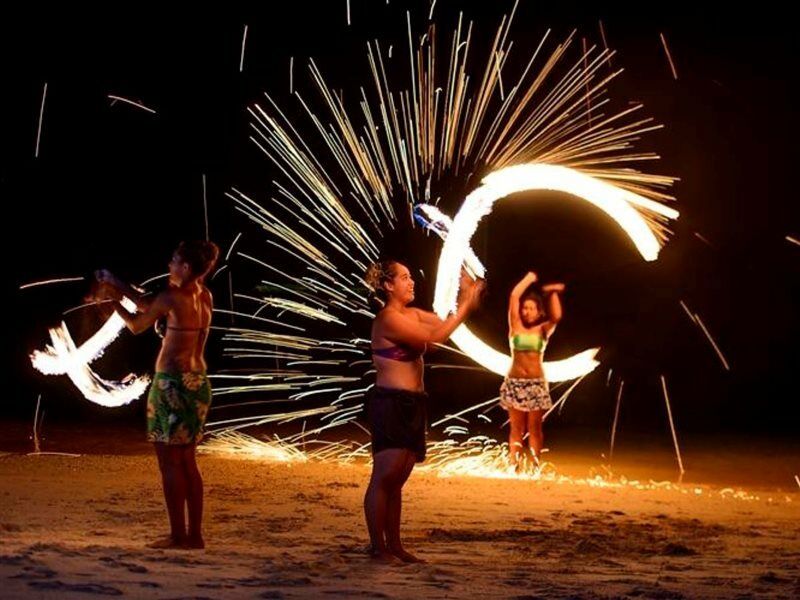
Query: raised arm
{"x": 514, "y": 297}
{"x": 552, "y": 292}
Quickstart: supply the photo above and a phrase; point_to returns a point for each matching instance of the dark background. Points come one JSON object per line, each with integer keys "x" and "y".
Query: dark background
{"x": 117, "y": 187}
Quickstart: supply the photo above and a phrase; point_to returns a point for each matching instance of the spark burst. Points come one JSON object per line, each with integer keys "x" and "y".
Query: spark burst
{"x": 366, "y": 170}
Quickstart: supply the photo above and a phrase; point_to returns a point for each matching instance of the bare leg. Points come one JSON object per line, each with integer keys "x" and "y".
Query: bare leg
{"x": 517, "y": 423}
{"x": 536, "y": 437}
{"x": 388, "y": 467}
{"x": 393, "y": 510}
{"x": 173, "y": 481}
{"x": 194, "y": 496}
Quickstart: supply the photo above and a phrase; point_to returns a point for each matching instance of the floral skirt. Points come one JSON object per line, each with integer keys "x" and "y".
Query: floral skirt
{"x": 177, "y": 406}
{"x": 525, "y": 394}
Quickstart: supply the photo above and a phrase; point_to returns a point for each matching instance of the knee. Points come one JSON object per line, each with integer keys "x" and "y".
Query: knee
{"x": 376, "y": 480}
{"x": 389, "y": 481}
{"x": 193, "y": 476}
{"x": 191, "y": 467}
{"x": 171, "y": 462}
{"x": 170, "y": 475}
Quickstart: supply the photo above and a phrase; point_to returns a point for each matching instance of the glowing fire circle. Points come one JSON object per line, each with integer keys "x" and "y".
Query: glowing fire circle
{"x": 618, "y": 203}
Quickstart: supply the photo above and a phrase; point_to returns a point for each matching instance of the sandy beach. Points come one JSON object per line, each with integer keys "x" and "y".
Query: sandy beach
{"x": 76, "y": 527}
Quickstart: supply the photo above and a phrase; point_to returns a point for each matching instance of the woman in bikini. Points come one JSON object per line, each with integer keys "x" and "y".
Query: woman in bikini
{"x": 397, "y": 405}
{"x": 524, "y": 392}
{"x": 180, "y": 394}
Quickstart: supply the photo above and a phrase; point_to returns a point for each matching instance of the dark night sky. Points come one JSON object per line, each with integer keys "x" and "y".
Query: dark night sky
{"x": 117, "y": 187}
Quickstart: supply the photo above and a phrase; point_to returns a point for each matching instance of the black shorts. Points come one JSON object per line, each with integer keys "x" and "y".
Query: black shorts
{"x": 397, "y": 419}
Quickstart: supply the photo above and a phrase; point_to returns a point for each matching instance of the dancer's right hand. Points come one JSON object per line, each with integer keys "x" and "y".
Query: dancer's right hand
{"x": 470, "y": 289}
{"x": 480, "y": 286}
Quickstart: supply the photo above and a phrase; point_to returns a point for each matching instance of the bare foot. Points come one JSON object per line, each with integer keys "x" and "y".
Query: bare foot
{"x": 406, "y": 557}
{"x": 381, "y": 556}
{"x": 194, "y": 543}
{"x": 167, "y": 542}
